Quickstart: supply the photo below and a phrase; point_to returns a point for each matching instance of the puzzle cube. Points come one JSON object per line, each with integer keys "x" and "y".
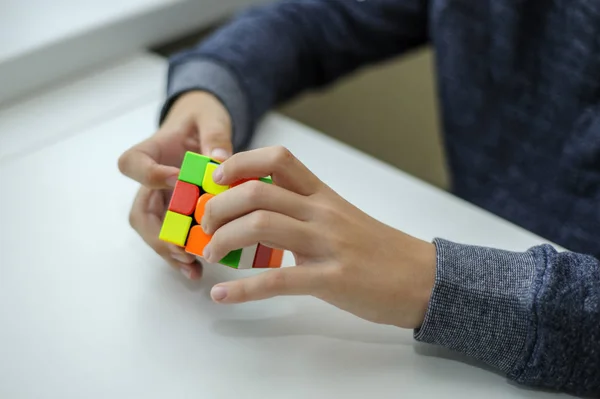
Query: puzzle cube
{"x": 181, "y": 225}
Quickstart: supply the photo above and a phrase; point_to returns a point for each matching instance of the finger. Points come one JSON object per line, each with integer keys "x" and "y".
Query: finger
{"x": 278, "y": 162}
{"x": 191, "y": 270}
{"x": 269, "y": 228}
{"x": 146, "y": 221}
{"x": 141, "y": 163}
{"x": 215, "y": 138}
{"x": 156, "y": 209}
{"x": 298, "y": 280}
{"x": 175, "y": 255}
{"x": 252, "y": 196}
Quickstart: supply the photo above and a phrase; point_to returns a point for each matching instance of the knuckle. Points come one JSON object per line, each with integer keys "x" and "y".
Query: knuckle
{"x": 152, "y": 176}
{"x": 254, "y": 190}
{"x": 339, "y": 243}
{"x": 231, "y": 166}
{"x": 282, "y": 155}
{"x": 324, "y": 211}
{"x": 123, "y": 162}
{"x": 260, "y": 221}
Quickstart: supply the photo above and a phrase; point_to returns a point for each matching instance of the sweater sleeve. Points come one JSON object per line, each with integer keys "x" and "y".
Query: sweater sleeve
{"x": 534, "y": 315}
{"x": 268, "y": 54}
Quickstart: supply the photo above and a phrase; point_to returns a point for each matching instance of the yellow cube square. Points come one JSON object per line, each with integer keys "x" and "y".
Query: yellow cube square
{"x": 175, "y": 228}
{"x": 208, "y": 183}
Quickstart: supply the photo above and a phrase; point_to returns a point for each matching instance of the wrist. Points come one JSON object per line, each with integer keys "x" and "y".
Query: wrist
{"x": 193, "y": 97}
{"x": 425, "y": 266}
{"x": 187, "y": 104}
{"x": 416, "y": 262}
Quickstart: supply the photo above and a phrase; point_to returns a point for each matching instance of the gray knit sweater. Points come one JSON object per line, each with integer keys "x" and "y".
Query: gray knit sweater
{"x": 519, "y": 84}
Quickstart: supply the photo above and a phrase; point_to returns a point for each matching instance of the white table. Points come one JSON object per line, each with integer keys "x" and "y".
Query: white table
{"x": 88, "y": 311}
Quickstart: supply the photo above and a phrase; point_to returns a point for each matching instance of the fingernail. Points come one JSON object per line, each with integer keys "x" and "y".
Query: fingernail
{"x": 218, "y": 293}
{"x": 181, "y": 258}
{"x": 218, "y": 174}
{"x": 219, "y": 154}
{"x": 206, "y": 252}
{"x": 186, "y": 271}
{"x": 171, "y": 181}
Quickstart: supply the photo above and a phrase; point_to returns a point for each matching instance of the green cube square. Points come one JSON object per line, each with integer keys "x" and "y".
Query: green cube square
{"x": 232, "y": 259}
{"x": 193, "y": 168}
{"x": 266, "y": 179}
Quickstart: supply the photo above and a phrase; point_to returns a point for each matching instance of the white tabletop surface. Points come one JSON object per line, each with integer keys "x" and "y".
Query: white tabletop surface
{"x": 42, "y": 42}
{"x": 100, "y": 94}
{"x": 88, "y": 311}
{"x": 30, "y": 25}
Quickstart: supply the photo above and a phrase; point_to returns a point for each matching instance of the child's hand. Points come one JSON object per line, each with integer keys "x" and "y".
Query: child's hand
{"x": 197, "y": 122}
{"x": 343, "y": 256}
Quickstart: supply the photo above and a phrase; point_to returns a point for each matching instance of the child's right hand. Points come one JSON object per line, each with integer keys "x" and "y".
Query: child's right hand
{"x": 342, "y": 255}
{"x": 197, "y": 122}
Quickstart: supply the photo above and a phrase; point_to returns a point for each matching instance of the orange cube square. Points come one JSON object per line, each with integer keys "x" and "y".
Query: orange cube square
{"x": 197, "y": 240}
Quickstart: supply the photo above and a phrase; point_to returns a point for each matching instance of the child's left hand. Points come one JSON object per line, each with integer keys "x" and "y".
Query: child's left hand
{"x": 343, "y": 256}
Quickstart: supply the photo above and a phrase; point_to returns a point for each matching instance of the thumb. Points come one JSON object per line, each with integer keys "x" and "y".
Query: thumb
{"x": 297, "y": 280}
{"x": 215, "y": 139}
{"x": 141, "y": 163}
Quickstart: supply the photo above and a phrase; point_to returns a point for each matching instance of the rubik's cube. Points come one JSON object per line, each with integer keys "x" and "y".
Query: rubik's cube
{"x": 181, "y": 225}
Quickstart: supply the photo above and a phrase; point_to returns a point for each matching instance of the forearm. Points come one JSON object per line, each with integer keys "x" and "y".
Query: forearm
{"x": 271, "y": 53}
{"x": 534, "y": 315}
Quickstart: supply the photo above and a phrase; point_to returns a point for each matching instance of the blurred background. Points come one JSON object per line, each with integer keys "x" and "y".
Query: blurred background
{"x": 43, "y": 43}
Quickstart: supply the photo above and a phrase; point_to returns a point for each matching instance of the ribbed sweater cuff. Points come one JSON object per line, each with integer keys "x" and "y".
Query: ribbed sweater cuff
{"x": 480, "y": 303}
